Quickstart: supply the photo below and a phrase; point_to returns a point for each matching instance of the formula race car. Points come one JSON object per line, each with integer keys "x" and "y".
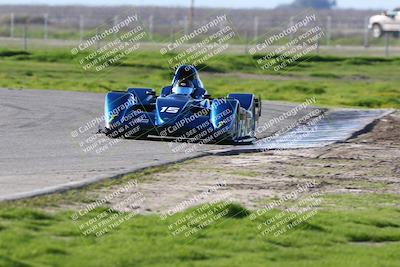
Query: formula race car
{"x": 183, "y": 110}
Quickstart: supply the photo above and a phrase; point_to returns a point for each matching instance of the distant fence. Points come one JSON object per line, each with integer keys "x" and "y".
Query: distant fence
{"x": 74, "y": 24}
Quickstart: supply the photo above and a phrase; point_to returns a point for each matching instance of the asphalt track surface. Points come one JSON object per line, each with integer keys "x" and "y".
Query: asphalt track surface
{"x": 38, "y": 153}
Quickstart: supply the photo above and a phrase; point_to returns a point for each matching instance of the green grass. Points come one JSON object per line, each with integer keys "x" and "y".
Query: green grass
{"x": 334, "y": 81}
{"x": 348, "y": 230}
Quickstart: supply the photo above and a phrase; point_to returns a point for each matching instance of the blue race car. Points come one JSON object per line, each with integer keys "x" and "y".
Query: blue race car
{"x": 183, "y": 110}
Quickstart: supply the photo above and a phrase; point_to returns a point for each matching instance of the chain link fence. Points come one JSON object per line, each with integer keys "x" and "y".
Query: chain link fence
{"x": 31, "y": 26}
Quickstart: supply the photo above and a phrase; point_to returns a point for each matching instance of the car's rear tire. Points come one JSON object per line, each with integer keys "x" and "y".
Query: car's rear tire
{"x": 113, "y": 133}
{"x": 136, "y": 137}
{"x": 377, "y": 30}
{"x": 237, "y": 124}
{"x": 234, "y": 135}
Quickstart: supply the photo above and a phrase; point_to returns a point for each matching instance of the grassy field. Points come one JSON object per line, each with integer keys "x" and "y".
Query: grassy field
{"x": 334, "y": 81}
{"x": 347, "y": 230}
{"x": 361, "y": 229}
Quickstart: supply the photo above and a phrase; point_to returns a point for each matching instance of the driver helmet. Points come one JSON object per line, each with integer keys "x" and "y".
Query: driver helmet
{"x": 183, "y": 87}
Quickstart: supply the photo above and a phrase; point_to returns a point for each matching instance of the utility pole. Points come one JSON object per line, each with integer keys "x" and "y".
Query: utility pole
{"x": 387, "y": 44}
{"x": 97, "y": 40}
{"x": 116, "y": 18}
{"x": 45, "y": 29}
{"x": 366, "y": 32}
{"x": 329, "y": 30}
{"x": 81, "y": 25}
{"x": 191, "y": 14}
{"x": 255, "y": 28}
{"x": 151, "y": 26}
{"x": 185, "y": 25}
{"x": 12, "y": 25}
{"x": 26, "y": 34}
{"x": 246, "y": 46}
{"x": 291, "y": 23}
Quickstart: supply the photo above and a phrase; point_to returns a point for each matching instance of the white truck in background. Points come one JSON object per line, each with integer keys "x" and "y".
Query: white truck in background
{"x": 387, "y": 22}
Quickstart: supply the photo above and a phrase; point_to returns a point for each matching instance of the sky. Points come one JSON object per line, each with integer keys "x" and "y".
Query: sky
{"x": 361, "y": 4}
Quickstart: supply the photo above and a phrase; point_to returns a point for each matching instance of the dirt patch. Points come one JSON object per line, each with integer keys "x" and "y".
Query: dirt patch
{"x": 366, "y": 164}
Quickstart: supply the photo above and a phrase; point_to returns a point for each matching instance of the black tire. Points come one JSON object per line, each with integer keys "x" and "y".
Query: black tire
{"x": 113, "y": 133}
{"x": 233, "y": 137}
{"x": 253, "y": 127}
{"x": 237, "y": 125}
{"x": 377, "y": 31}
{"x": 136, "y": 137}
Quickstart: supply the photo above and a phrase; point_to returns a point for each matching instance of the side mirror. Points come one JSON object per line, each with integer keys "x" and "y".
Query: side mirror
{"x": 390, "y": 14}
{"x": 166, "y": 90}
{"x": 152, "y": 92}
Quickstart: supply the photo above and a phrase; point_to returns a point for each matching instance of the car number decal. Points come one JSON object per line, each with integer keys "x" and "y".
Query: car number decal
{"x": 169, "y": 109}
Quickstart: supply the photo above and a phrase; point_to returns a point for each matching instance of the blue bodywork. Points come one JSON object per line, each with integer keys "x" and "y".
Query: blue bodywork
{"x": 139, "y": 112}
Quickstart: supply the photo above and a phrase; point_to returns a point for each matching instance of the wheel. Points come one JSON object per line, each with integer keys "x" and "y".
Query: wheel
{"x": 377, "y": 31}
{"x": 253, "y": 126}
{"x": 113, "y": 133}
{"x": 234, "y": 136}
{"x": 136, "y": 137}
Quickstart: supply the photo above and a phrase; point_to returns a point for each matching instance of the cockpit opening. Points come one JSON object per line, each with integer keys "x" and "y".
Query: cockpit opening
{"x": 184, "y": 87}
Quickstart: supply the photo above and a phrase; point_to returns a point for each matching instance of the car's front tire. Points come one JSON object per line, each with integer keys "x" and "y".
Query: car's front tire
{"x": 113, "y": 133}
{"x": 377, "y": 30}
